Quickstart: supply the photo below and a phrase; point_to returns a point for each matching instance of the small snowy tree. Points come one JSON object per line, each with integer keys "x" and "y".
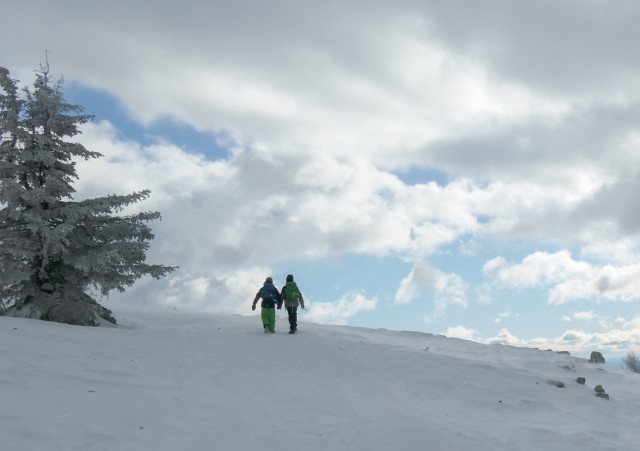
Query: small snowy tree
{"x": 53, "y": 250}
{"x": 632, "y": 362}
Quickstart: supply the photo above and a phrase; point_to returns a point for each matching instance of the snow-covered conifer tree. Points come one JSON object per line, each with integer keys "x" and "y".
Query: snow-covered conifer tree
{"x": 53, "y": 250}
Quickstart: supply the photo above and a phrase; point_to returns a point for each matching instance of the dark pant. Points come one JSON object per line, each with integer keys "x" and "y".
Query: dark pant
{"x": 293, "y": 317}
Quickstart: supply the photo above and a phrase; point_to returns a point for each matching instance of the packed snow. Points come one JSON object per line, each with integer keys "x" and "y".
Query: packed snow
{"x": 178, "y": 381}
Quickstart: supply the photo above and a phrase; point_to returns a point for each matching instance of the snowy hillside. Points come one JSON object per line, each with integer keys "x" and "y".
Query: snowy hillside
{"x": 173, "y": 381}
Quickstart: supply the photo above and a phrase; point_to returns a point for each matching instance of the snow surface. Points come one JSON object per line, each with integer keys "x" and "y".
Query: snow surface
{"x": 176, "y": 381}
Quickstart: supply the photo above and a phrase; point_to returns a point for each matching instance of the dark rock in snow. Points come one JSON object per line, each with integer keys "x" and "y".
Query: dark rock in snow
{"x": 600, "y": 393}
{"x": 596, "y": 357}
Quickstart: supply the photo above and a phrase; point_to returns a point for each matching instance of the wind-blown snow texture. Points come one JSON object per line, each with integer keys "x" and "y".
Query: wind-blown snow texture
{"x": 173, "y": 381}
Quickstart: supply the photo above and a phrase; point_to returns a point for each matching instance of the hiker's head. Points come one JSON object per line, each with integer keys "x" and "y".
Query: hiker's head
{"x": 269, "y": 280}
{"x": 289, "y": 278}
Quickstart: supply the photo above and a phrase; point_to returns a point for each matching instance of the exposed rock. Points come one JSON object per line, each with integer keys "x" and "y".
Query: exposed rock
{"x": 558, "y": 384}
{"x": 596, "y": 357}
{"x": 600, "y": 393}
{"x": 581, "y": 380}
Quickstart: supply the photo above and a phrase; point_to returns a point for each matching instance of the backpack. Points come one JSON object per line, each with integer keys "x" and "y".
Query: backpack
{"x": 292, "y": 292}
{"x": 268, "y": 291}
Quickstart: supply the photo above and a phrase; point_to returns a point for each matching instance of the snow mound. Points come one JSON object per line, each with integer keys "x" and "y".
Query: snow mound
{"x": 175, "y": 381}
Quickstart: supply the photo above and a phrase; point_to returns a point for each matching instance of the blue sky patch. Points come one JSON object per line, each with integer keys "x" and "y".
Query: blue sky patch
{"x": 104, "y": 106}
{"x": 416, "y": 175}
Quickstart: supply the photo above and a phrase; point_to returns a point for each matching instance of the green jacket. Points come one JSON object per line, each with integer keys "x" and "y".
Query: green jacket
{"x": 292, "y": 302}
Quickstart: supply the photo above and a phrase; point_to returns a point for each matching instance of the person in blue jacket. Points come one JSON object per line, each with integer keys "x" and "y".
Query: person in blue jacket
{"x": 270, "y": 299}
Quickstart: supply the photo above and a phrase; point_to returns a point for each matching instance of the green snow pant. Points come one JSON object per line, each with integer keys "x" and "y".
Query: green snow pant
{"x": 269, "y": 318}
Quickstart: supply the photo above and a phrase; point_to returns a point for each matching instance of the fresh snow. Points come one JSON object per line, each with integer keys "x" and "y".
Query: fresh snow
{"x": 177, "y": 381}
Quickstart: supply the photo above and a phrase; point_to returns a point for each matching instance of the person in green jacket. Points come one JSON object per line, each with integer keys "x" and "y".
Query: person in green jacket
{"x": 292, "y": 297}
{"x": 270, "y": 298}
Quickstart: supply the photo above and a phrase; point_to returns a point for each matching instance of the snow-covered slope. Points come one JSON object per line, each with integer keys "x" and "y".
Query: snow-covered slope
{"x": 174, "y": 381}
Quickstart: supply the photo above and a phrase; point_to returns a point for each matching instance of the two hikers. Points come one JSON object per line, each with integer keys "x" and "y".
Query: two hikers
{"x": 272, "y": 299}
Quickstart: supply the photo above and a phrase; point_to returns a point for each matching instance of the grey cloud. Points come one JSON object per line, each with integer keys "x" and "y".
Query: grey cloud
{"x": 312, "y": 59}
{"x": 615, "y": 204}
{"x": 569, "y": 46}
{"x": 562, "y": 47}
{"x": 609, "y": 215}
{"x": 570, "y": 337}
{"x": 590, "y": 137}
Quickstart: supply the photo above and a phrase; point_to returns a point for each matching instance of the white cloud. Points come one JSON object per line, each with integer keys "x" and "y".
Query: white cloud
{"x": 620, "y": 251}
{"x": 584, "y": 316}
{"x": 235, "y": 217}
{"x": 616, "y": 340}
{"x": 338, "y": 312}
{"x": 587, "y": 316}
{"x": 171, "y": 173}
{"x": 505, "y": 337}
{"x": 462, "y": 332}
{"x": 608, "y": 283}
{"x": 539, "y": 268}
{"x": 426, "y": 281}
{"x": 318, "y": 207}
{"x": 229, "y": 291}
{"x": 569, "y": 279}
{"x": 501, "y": 316}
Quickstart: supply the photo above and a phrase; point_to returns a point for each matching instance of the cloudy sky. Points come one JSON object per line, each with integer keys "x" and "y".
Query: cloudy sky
{"x": 457, "y": 167}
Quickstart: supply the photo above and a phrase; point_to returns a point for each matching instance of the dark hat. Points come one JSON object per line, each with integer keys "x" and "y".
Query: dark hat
{"x": 289, "y": 278}
{"x": 269, "y": 280}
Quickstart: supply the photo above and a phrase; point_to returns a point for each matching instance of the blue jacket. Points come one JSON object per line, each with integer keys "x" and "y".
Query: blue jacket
{"x": 270, "y": 296}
